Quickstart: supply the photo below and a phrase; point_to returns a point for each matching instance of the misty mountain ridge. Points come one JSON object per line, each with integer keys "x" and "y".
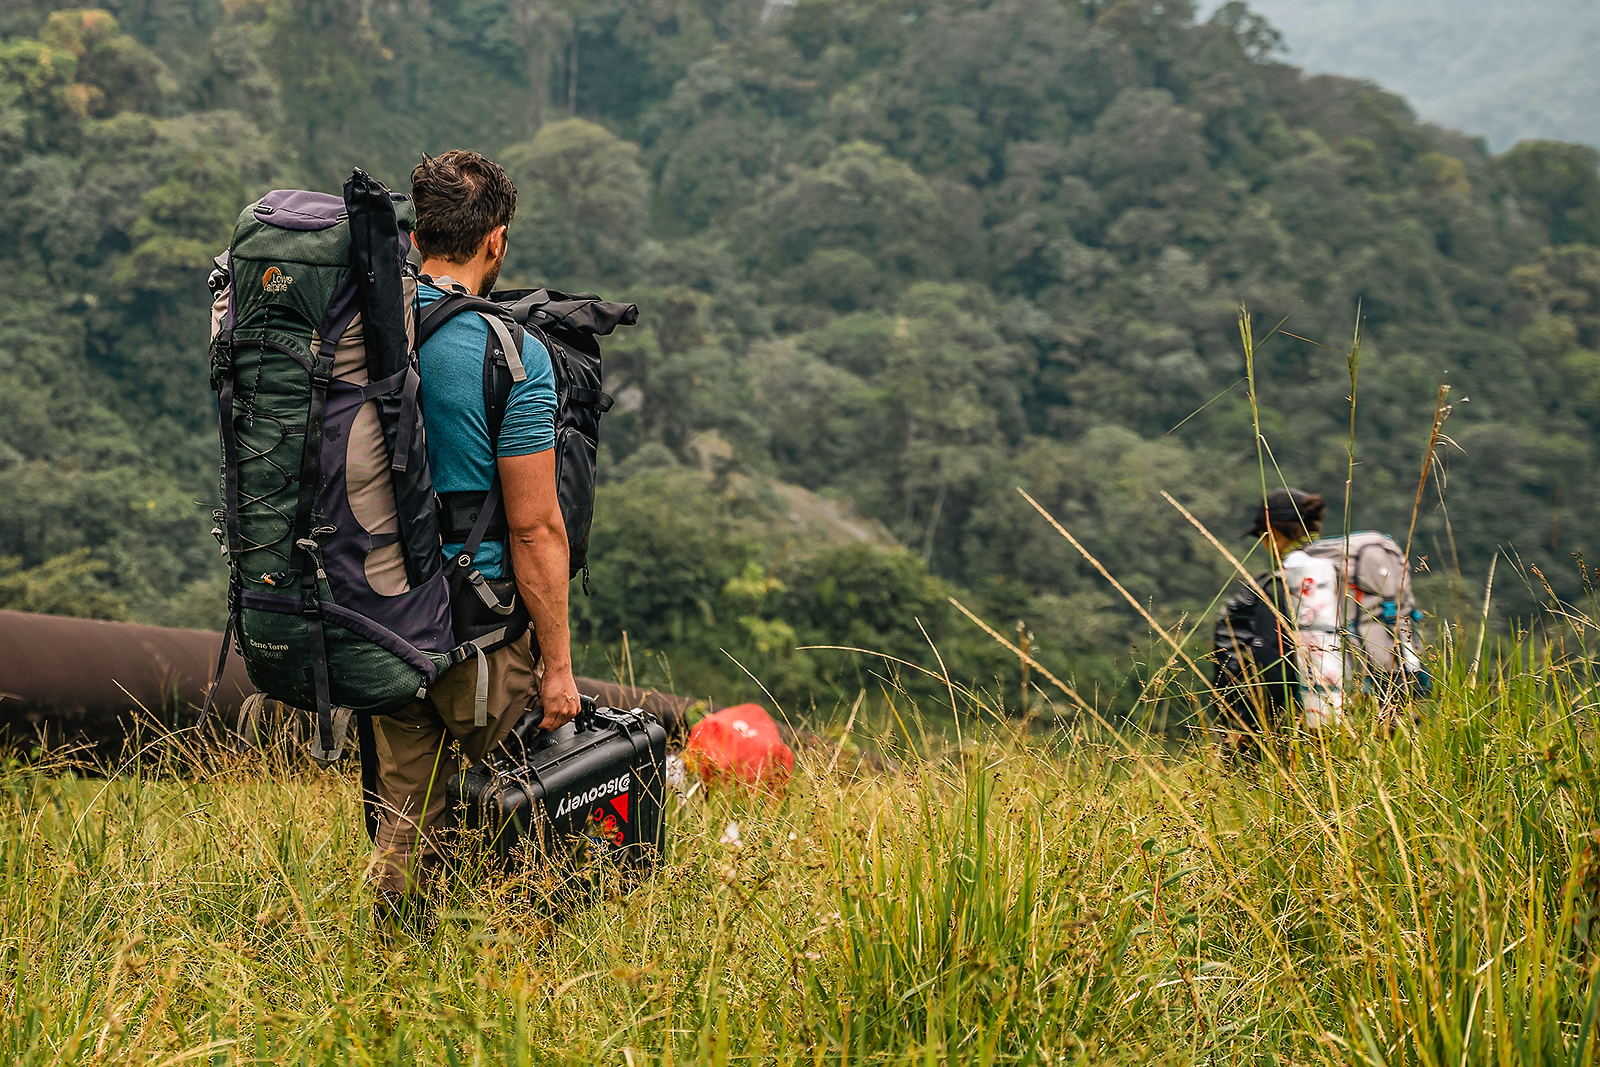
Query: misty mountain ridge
{"x": 1509, "y": 70}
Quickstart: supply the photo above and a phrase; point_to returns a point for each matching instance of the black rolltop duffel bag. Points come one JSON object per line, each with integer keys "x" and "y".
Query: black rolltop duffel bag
{"x": 589, "y": 791}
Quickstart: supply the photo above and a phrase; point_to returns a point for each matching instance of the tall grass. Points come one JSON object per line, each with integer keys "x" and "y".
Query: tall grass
{"x": 1421, "y": 890}
{"x": 1426, "y": 897}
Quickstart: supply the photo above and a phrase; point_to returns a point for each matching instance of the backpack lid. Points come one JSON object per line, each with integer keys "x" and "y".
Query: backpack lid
{"x": 581, "y": 312}
{"x": 297, "y": 209}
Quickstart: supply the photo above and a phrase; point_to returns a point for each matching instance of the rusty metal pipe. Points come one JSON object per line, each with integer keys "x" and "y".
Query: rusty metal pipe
{"x": 65, "y": 680}
{"x": 81, "y": 678}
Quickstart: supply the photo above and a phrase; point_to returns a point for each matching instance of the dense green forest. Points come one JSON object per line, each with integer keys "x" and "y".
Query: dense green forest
{"x": 910, "y": 254}
{"x": 1507, "y": 69}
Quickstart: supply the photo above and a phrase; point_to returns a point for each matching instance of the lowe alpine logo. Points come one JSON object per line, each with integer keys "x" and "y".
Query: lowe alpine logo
{"x": 616, "y": 786}
{"x": 275, "y": 281}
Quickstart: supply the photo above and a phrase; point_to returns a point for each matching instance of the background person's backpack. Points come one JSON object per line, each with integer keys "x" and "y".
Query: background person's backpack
{"x": 1378, "y": 612}
{"x": 337, "y": 592}
{"x": 568, "y": 326}
{"x": 1376, "y": 615}
{"x": 1312, "y": 584}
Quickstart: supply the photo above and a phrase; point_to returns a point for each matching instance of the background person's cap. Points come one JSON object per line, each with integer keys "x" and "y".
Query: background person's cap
{"x": 1284, "y": 506}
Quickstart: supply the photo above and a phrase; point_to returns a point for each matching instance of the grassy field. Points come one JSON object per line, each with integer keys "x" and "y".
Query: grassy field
{"x": 1424, "y": 898}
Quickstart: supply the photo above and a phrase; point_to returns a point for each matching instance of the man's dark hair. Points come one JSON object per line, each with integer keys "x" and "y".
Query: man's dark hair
{"x": 459, "y": 196}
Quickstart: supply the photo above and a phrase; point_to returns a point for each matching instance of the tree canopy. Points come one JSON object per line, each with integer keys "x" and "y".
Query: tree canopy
{"x": 913, "y": 254}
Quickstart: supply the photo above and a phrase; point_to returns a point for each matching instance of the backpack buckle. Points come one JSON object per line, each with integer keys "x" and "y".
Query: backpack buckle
{"x": 322, "y": 366}
{"x": 486, "y": 595}
{"x": 221, "y": 359}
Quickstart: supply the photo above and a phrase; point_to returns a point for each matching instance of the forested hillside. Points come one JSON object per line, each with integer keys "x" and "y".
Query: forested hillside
{"x": 1506, "y": 69}
{"x": 913, "y": 253}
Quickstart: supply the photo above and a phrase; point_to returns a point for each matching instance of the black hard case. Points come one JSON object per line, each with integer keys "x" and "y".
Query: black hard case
{"x": 591, "y": 790}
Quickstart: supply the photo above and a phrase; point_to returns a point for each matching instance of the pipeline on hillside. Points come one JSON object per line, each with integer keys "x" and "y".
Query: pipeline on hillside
{"x": 68, "y": 681}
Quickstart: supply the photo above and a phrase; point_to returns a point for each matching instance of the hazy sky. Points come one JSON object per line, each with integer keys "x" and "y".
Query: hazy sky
{"x": 1506, "y": 69}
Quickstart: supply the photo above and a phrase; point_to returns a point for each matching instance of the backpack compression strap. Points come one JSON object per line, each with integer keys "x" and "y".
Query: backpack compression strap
{"x": 341, "y": 312}
{"x": 222, "y": 379}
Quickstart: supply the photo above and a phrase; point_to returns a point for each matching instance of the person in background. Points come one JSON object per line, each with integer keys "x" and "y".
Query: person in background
{"x": 465, "y": 204}
{"x": 1257, "y": 674}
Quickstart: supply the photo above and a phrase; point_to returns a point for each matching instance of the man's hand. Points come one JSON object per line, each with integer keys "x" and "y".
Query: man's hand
{"x": 558, "y": 694}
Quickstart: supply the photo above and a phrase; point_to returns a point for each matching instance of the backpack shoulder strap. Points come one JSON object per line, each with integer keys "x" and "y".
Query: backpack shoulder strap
{"x": 502, "y": 350}
{"x": 440, "y": 312}
{"x": 509, "y": 334}
{"x": 502, "y": 327}
{"x": 497, "y": 379}
{"x": 502, "y": 367}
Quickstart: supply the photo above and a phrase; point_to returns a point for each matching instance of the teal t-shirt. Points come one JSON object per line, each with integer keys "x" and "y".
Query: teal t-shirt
{"x": 458, "y": 427}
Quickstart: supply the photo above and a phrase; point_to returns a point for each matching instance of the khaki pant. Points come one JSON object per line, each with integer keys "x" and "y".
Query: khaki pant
{"x": 415, "y": 758}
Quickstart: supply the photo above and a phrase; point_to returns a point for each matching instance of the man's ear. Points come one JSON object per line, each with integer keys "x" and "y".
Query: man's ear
{"x": 496, "y": 242}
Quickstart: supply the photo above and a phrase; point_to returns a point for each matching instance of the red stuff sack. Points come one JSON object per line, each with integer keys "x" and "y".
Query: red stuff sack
{"x": 742, "y": 744}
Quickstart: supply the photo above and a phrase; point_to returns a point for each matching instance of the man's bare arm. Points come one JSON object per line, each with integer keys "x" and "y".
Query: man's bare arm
{"x": 539, "y": 556}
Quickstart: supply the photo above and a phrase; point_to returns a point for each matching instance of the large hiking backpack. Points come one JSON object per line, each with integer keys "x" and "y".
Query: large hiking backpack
{"x": 337, "y": 591}
{"x": 567, "y": 326}
{"x": 1376, "y": 621}
{"x": 1378, "y": 612}
{"x": 338, "y": 594}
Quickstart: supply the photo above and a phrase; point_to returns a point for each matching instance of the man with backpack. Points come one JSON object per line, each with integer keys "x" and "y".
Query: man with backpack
{"x": 464, "y": 205}
{"x": 1338, "y": 614}
{"x": 329, "y": 353}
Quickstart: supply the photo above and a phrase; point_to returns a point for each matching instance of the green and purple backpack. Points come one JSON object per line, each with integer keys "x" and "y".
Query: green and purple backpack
{"x": 338, "y": 596}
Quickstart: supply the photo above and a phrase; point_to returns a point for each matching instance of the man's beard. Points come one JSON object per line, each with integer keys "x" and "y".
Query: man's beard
{"x": 491, "y": 276}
